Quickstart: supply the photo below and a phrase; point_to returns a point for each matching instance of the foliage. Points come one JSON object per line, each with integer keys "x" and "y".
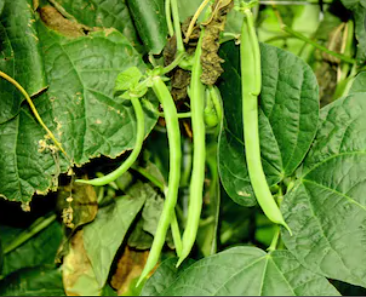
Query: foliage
{"x": 87, "y": 67}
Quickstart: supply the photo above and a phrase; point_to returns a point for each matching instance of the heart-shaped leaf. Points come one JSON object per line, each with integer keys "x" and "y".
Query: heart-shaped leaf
{"x": 327, "y": 208}
{"x": 248, "y": 271}
{"x": 288, "y": 119}
{"x": 79, "y": 107}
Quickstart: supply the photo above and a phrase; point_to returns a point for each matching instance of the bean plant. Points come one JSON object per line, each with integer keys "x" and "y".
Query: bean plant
{"x": 182, "y": 148}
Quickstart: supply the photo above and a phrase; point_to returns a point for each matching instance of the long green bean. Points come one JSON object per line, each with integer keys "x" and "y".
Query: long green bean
{"x": 132, "y": 157}
{"x": 251, "y": 88}
{"x": 174, "y": 224}
{"x": 175, "y": 155}
{"x": 197, "y": 95}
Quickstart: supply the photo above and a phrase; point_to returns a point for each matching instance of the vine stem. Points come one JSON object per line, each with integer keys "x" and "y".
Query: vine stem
{"x": 275, "y": 239}
{"x": 169, "y": 21}
{"x": 34, "y": 110}
{"x": 178, "y": 31}
{"x": 149, "y": 177}
{"x": 182, "y": 115}
{"x": 302, "y": 37}
{"x": 140, "y": 135}
{"x": 33, "y": 230}
{"x": 174, "y": 64}
{"x": 195, "y": 18}
{"x": 317, "y": 45}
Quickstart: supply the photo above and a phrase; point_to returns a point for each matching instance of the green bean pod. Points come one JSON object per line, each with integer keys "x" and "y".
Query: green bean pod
{"x": 102, "y": 181}
{"x": 175, "y": 158}
{"x": 213, "y": 109}
{"x": 197, "y": 95}
{"x": 251, "y": 88}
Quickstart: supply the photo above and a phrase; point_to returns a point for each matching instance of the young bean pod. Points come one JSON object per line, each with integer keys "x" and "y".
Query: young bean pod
{"x": 175, "y": 158}
{"x": 251, "y": 88}
{"x": 197, "y": 95}
{"x": 102, "y": 181}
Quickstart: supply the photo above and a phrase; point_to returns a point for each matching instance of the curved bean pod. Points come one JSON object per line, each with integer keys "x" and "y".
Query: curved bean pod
{"x": 132, "y": 157}
{"x": 174, "y": 138}
{"x": 197, "y": 95}
{"x": 251, "y": 88}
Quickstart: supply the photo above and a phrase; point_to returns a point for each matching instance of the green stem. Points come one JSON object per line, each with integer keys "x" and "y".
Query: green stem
{"x": 251, "y": 88}
{"x": 275, "y": 240}
{"x": 168, "y": 13}
{"x": 174, "y": 64}
{"x": 34, "y": 110}
{"x": 317, "y": 45}
{"x": 33, "y": 230}
{"x": 183, "y": 115}
{"x": 175, "y": 158}
{"x": 150, "y": 177}
{"x": 178, "y": 31}
{"x": 132, "y": 157}
{"x": 197, "y": 95}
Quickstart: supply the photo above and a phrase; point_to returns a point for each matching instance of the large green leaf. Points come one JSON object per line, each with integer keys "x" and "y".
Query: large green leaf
{"x": 20, "y": 56}
{"x": 40, "y": 281}
{"x": 79, "y": 107}
{"x": 248, "y": 271}
{"x": 359, "y": 85}
{"x": 150, "y": 21}
{"x": 28, "y": 255}
{"x": 288, "y": 119}
{"x": 102, "y": 13}
{"x": 105, "y": 235}
{"x": 327, "y": 208}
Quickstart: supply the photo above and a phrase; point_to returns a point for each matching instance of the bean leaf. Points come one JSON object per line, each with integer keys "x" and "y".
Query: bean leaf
{"x": 104, "y": 236}
{"x": 20, "y": 56}
{"x": 288, "y": 116}
{"x": 79, "y": 107}
{"x": 327, "y": 209}
{"x": 231, "y": 273}
{"x": 128, "y": 79}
